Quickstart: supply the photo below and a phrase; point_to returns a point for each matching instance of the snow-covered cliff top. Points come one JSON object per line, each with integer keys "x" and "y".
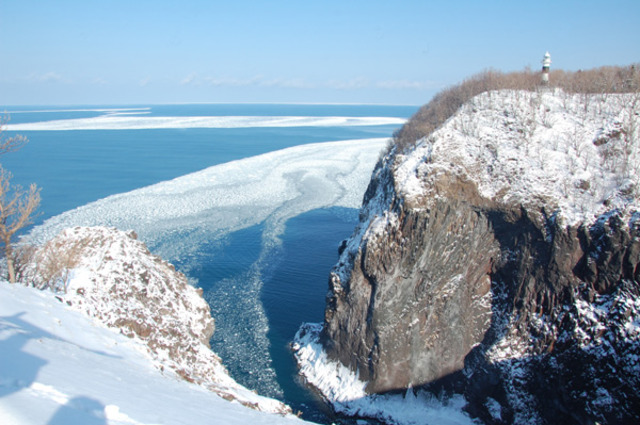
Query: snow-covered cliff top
{"x": 575, "y": 154}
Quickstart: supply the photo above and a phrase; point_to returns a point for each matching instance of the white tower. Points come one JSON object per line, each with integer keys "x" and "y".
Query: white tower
{"x": 546, "y": 63}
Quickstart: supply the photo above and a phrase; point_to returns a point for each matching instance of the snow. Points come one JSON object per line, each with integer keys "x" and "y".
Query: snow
{"x": 375, "y": 216}
{"x": 120, "y": 120}
{"x": 346, "y": 392}
{"x": 340, "y": 384}
{"x": 612, "y": 316}
{"x": 605, "y": 326}
{"x": 495, "y": 410}
{"x": 575, "y": 154}
{"x": 58, "y": 367}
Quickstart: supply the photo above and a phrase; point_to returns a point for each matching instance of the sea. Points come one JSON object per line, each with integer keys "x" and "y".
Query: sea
{"x": 250, "y": 201}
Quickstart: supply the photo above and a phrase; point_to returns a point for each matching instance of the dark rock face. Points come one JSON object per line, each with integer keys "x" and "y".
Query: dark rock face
{"x": 400, "y": 316}
{"x": 570, "y": 295}
{"x": 500, "y": 302}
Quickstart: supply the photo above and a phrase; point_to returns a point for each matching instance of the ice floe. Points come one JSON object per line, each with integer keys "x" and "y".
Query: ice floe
{"x": 132, "y": 121}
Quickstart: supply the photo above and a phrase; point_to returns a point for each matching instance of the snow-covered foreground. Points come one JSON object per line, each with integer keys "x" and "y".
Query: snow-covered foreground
{"x": 59, "y": 368}
{"x": 112, "y": 277}
{"x": 347, "y": 393}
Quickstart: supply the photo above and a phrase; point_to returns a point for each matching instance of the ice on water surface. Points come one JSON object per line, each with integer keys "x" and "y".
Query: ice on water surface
{"x": 123, "y": 120}
{"x": 177, "y": 217}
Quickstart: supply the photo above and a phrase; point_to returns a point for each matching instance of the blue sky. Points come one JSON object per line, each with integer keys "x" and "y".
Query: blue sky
{"x": 333, "y": 51}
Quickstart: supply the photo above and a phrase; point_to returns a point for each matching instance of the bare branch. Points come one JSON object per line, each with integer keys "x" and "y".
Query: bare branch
{"x": 10, "y": 144}
{"x": 17, "y": 208}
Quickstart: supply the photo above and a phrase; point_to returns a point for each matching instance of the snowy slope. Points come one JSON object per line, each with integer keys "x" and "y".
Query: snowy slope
{"x": 161, "y": 331}
{"x": 58, "y": 367}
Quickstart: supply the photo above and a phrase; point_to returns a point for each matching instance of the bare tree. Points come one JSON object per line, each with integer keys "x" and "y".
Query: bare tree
{"x": 10, "y": 144}
{"x": 17, "y": 206}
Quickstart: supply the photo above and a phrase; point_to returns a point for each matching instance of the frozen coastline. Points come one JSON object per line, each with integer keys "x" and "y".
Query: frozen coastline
{"x": 344, "y": 390}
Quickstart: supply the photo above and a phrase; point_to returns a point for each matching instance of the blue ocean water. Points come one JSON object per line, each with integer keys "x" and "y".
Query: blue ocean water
{"x": 76, "y": 167}
{"x": 73, "y": 168}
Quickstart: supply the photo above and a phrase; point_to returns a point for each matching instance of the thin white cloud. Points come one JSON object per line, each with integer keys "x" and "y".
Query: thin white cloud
{"x": 293, "y": 83}
{"x": 47, "y": 77}
{"x": 352, "y": 84}
{"x": 255, "y": 81}
{"x": 360, "y": 83}
{"x": 405, "y": 85}
{"x": 232, "y": 82}
{"x": 357, "y": 83}
{"x": 189, "y": 79}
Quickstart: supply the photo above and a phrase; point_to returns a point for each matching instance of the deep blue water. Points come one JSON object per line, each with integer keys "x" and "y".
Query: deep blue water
{"x": 73, "y": 168}
{"x": 295, "y": 284}
{"x": 309, "y": 251}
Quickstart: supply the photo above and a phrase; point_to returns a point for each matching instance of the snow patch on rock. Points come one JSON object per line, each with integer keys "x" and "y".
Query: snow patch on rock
{"x": 346, "y": 392}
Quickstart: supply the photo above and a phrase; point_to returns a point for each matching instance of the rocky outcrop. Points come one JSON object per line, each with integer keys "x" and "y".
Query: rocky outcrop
{"x": 490, "y": 263}
{"x": 563, "y": 343}
{"x": 414, "y": 304}
{"x": 112, "y": 277}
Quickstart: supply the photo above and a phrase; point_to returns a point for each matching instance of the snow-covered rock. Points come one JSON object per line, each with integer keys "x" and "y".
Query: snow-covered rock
{"x": 111, "y": 277}
{"x": 346, "y": 391}
{"x": 484, "y": 257}
{"x": 574, "y": 154}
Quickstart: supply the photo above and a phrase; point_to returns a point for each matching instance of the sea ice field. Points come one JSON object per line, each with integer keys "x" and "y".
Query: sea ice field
{"x": 251, "y": 206}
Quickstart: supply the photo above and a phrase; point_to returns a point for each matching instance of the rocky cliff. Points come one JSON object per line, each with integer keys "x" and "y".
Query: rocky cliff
{"x": 498, "y": 259}
{"x": 112, "y": 277}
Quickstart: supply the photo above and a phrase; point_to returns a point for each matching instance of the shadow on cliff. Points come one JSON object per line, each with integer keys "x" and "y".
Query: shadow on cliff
{"x": 542, "y": 268}
{"x": 543, "y": 273}
{"x": 565, "y": 384}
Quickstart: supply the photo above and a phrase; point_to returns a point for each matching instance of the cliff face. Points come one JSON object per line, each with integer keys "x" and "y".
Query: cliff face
{"x": 499, "y": 258}
{"x": 414, "y": 305}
